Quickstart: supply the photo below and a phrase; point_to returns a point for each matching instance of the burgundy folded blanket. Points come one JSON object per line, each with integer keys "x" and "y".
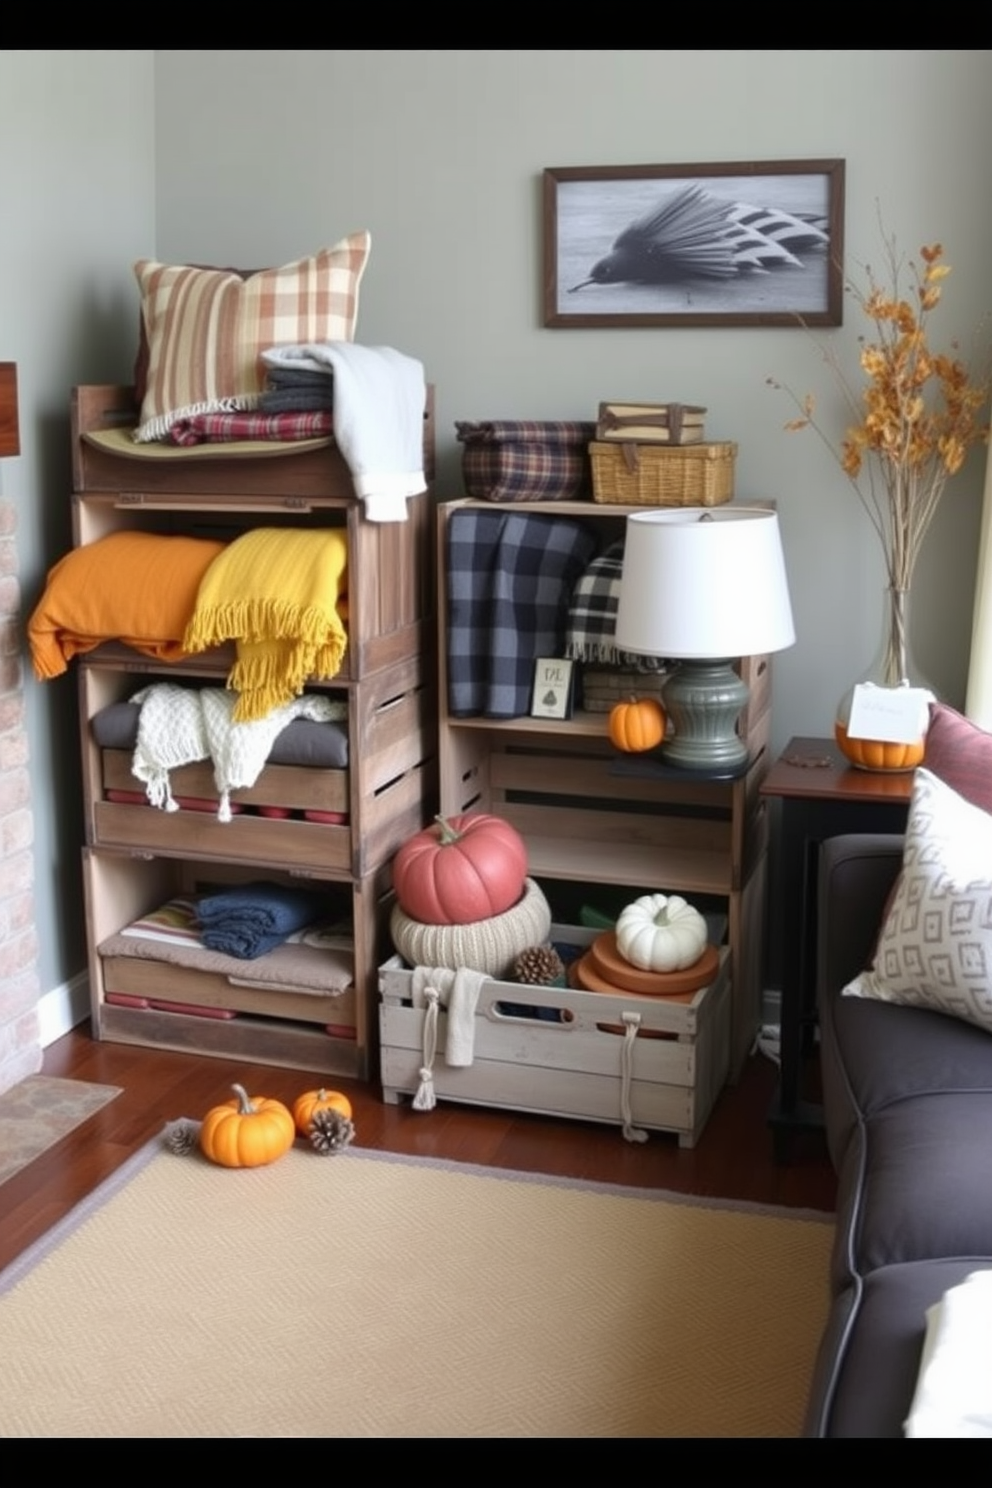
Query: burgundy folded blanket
{"x": 205, "y": 428}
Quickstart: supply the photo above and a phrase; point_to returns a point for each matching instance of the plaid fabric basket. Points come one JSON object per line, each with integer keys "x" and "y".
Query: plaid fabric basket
{"x": 524, "y": 460}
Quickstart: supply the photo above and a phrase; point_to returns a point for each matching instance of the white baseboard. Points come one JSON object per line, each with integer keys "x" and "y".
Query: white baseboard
{"x": 62, "y": 1008}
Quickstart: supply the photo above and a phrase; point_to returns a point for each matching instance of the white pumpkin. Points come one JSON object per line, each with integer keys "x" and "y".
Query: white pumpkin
{"x": 660, "y": 932}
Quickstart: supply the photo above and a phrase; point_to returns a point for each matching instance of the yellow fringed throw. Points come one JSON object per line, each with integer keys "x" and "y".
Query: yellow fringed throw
{"x": 279, "y": 594}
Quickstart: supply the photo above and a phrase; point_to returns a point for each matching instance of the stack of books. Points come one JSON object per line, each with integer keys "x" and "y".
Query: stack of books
{"x": 650, "y": 423}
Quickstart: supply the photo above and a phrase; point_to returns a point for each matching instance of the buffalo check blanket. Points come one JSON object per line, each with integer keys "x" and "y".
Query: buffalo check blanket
{"x": 510, "y": 578}
{"x": 592, "y": 615}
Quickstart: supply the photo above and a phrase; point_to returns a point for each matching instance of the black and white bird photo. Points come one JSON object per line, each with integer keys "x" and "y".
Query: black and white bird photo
{"x": 759, "y": 244}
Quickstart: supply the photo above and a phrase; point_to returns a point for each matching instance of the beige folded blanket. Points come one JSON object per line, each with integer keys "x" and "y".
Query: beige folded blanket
{"x": 318, "y": 959}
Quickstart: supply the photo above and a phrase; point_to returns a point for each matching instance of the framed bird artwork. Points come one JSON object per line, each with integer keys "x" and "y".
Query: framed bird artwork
{"x": 747, "y": 244}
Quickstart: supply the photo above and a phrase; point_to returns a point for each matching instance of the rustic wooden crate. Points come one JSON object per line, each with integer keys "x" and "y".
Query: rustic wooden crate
{"x": 573, "y": 1068}
{"x": 101, "y": 411}
{"x": 391, "y": 580}
{"x": 380, "y": 797}
{"x": 274, "y": 1025}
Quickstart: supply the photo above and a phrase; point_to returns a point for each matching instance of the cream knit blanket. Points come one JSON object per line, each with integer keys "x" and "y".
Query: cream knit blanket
{"x": 180, "y": 725}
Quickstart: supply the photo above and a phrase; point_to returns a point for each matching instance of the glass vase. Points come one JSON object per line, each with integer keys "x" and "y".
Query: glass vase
{"x": 893, "y": 667}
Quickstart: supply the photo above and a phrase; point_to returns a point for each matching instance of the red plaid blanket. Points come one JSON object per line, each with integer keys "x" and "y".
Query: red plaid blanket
{"x": 202, "y": 428}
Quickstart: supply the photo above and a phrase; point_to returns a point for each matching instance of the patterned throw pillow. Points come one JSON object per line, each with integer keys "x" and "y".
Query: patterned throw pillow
{"x": 206, "y": 328}
{"x": 935, "y": 947}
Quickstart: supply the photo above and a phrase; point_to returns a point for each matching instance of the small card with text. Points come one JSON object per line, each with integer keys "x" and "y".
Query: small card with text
{"x": 552, "y": 694}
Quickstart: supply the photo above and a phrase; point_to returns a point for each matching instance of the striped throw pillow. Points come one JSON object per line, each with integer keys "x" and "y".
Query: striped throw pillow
{"x": 206, "y": 328}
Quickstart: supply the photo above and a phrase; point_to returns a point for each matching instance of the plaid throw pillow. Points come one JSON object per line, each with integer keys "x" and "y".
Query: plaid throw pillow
{"x": 206, "y": 328}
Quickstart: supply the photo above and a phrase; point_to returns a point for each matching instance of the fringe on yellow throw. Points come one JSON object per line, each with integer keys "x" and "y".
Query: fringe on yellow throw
{"x": 278, "y": 594}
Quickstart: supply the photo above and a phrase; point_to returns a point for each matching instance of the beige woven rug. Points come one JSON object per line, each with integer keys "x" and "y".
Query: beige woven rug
{"x": 39, "y": 1111}
{"x": 366, "y": 1295}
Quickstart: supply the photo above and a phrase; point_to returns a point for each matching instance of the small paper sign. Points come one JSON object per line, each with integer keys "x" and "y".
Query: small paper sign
{"x": 891, "y": 715}
{"x": 552, "y": 691}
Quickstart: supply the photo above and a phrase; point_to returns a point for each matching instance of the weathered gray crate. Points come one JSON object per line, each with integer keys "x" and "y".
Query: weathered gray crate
{"x": 573, "y": 1068}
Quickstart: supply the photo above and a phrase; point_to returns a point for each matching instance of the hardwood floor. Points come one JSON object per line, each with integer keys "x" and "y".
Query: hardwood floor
{"x": 733, "y": 1159}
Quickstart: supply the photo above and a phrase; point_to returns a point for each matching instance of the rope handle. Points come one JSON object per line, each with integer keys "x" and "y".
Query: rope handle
{"x": 632, "y": 1022}
{"x": 425, "y": 1098}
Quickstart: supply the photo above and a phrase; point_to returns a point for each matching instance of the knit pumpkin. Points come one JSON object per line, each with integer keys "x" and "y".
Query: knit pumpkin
{"x": 490, "y": 945}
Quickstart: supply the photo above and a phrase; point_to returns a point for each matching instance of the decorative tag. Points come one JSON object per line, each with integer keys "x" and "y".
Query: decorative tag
{"x": 890, "y": 715}
{"x": 551, "y": 695}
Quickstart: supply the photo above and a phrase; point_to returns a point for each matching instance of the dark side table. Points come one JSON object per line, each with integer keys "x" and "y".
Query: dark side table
{"x": 821, "y": 796}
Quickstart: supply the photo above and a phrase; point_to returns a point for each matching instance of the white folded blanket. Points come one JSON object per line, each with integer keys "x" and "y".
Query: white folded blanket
{"x": 180, "y": 725}
{"x": 379, "y": 399}
{"x": 954, "y": 1387}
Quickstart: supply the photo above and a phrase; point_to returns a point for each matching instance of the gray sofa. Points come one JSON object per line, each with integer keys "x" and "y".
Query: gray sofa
{"x": 908, "y": 1107}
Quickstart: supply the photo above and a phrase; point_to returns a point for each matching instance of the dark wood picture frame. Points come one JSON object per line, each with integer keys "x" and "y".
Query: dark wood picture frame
{"x": 756, "y": 243}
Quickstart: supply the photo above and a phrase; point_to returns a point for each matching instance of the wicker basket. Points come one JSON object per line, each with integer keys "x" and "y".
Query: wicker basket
{"x": 663, "y": 475}
{"x": 603, "y": 687}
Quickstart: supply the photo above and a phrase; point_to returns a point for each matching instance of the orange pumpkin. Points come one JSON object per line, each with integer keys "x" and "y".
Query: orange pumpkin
{"x": 637, "y": 725}
{"x": 306, "y": 1106}
{"x": 873, "y": 754}
{"x": 247, "y": 1132}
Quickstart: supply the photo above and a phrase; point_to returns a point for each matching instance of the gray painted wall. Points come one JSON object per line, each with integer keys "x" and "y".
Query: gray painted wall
{"x": 77, "y": 204}
{"x": 256, "y": 157}
{"x": 264, "y": 156}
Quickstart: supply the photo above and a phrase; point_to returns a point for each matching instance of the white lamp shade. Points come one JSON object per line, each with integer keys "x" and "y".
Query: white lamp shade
{"x": 704, "y": 583}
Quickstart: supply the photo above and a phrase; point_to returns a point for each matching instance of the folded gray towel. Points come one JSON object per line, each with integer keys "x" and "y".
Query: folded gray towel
{"x": 297, "y": 390}
{"x": 295, "y": 400}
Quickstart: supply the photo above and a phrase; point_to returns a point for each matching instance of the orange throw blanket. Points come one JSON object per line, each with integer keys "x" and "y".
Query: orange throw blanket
{"x": 136, "y": 587}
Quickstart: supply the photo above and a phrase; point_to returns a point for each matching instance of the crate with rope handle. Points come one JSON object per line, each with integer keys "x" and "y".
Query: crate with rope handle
{"x": 644, "y": 1063}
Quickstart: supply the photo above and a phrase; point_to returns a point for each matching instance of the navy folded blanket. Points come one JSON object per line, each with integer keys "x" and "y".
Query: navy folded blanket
{"x": 510, "y": 578}
{"x": 255, "y": 918}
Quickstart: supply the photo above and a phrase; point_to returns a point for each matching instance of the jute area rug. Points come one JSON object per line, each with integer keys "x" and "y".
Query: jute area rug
{"x": 368, "y": 1295}
{"x": 39, "y": 1111}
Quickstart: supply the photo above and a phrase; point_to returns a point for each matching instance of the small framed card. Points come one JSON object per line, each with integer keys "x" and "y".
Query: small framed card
{"x": 552, "y": 694}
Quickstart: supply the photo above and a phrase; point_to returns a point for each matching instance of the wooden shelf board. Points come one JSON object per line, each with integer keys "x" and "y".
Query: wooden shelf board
{"x": 680, "y": 870}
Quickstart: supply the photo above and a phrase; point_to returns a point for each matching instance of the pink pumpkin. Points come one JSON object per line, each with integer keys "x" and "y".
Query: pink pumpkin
{"x": 460, "y": 869}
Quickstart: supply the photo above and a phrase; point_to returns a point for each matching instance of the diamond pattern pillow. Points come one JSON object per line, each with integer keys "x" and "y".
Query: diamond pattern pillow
{"x": 935, "y": 946}
{"x": 207, "y": 328}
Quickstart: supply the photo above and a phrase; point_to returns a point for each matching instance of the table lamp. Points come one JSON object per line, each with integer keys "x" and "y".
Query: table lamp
{"x": 702, "y": 587}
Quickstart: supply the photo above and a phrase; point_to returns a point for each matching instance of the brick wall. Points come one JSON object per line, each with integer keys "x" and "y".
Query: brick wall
{"x": 20, "y": 1047}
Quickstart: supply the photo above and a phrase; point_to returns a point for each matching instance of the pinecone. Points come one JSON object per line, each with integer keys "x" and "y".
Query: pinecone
{"x": 539, "y": 966}
{"x": 331, "y": 1132}
{"x": 182, "y": 1136}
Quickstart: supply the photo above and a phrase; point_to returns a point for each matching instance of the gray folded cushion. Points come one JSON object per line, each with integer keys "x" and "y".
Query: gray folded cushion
{"x": 319, "y": 746}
